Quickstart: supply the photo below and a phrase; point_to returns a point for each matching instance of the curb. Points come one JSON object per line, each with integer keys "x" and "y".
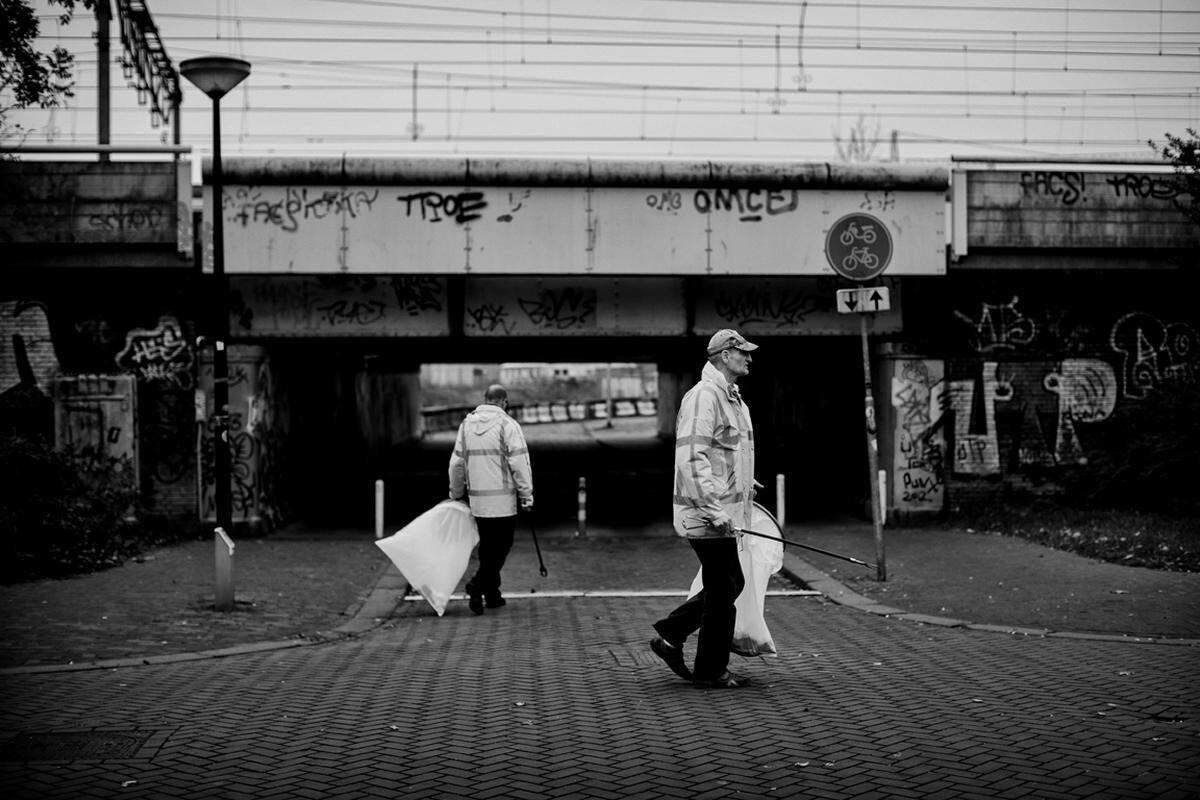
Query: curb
{"x": 389, "y": 592}
{"x": 805, "y": 573}
{"x": 379, "y": 604}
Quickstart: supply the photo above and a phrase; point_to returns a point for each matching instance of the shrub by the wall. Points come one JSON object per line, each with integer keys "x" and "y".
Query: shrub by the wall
{"x": 1146, "y": 456}
{"x": 63, "y": 513}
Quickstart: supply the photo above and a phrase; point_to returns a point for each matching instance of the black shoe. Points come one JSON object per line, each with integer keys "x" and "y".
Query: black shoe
{"x": 728, "y": 680}
{"x": 494, "y": 601}
{"x": 672, "y": 655}
{"x": 474, "y": 601}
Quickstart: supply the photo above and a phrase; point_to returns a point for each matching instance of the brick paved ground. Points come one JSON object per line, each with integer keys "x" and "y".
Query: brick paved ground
{"x": 286, "y": 589}
{"x": 558, "y": 697}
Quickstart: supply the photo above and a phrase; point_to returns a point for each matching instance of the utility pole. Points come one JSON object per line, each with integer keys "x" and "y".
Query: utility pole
{"x": 103, "y": 91}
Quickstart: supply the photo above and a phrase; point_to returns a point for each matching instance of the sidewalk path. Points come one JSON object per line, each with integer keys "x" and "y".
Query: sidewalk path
{"x": 1007, "y": 581}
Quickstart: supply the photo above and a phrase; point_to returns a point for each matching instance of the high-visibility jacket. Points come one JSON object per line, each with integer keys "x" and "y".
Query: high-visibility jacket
{"x": 714, "y": 458}
{"x": 490, "y": 463}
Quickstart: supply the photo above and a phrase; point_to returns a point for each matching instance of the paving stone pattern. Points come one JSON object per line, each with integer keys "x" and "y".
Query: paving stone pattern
{"x": 557, "y": 697}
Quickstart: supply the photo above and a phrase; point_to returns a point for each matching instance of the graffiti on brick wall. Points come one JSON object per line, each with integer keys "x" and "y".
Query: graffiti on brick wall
{"x": 166, "y": 423}
{"x": 1087, "y": 392}
{"x": 1025, "y": 414}
{"x": 1153, "y": 354}
{"x": 158, "y": 354}
{"x": 999, "y": 327}
{"x": 27, "y": 352}
{"x": 919, "y": 468}
{"x": 976, "y": 446}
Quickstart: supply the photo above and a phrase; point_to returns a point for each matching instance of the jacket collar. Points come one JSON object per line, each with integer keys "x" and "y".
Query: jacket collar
{"x": 711, "y": 373}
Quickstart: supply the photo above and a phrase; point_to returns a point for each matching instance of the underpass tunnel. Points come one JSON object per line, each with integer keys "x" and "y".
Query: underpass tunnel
{"x": 360, "y": 414}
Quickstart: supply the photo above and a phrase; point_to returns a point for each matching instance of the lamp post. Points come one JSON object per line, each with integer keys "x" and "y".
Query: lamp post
{"x": 216, "y": 76}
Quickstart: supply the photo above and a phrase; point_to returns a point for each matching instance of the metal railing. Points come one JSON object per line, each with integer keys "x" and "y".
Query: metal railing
{"x": 448, "y": 418}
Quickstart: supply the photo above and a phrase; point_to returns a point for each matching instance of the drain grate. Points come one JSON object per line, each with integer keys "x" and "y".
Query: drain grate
{"x": 74, "y": 746}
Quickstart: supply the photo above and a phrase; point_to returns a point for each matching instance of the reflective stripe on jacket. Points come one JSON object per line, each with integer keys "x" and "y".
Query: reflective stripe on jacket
{"x": 714, "y": 458}
{"x": 491, "y": 463}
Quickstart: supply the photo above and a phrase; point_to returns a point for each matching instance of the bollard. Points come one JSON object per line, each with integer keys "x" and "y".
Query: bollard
{"x": 378, "y": 509}
{"x": 882, "y": 496}
{"x": 581, "y": 526}
{"x": 780, "y": 502}
{"x": 223, "y": 561}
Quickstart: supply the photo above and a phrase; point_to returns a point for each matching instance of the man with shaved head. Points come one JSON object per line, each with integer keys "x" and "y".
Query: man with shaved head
{"x": 490, "y": 467}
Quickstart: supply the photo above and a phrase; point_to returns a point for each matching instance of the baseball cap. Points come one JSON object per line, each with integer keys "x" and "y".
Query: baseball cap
{"x": 726, "y": 339}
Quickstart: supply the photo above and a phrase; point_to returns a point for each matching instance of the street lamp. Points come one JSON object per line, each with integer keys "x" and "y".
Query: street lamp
{"x": 216, "y": 76}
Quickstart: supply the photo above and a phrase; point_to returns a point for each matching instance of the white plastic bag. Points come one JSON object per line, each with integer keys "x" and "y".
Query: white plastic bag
{"x": 760, "y": 559}
{"x": 433, "y": 550}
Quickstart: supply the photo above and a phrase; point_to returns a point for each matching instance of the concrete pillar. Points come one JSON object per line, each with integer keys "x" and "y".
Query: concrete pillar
{"x": 249, "y": 415}
{"x": 673, "y": 384}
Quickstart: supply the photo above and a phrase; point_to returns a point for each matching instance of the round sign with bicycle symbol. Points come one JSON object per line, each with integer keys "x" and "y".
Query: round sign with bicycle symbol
{"x": 858, "y": 247}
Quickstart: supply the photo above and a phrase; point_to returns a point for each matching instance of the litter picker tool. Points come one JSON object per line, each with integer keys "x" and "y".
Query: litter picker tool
{"x": 536, "y": 546}
{"x": 771, "y": 517}
{"x": 851, "y": 559}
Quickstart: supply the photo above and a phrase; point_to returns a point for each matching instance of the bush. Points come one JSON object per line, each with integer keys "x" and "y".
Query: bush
{"x": 1145, "y": 457}
{"x": 61, "y": 513}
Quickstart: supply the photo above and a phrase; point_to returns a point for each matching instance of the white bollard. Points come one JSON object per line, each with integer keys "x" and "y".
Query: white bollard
{"x": 581, "y": 526}
{"x": 223, "y": 562}
{"x": 378, "y": 509}
{"x": 780, "y": 502}
{"x": 882, "y": 496}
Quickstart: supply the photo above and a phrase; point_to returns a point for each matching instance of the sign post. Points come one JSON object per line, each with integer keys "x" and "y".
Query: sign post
{"x": 859, "y": 247}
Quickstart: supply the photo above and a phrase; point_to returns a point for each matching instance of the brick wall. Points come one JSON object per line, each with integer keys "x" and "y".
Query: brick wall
{"x": 1038, "y": 365}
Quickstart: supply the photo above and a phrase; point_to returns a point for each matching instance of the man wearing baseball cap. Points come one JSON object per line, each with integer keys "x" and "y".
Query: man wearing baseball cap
{"x": 714, "y": 492}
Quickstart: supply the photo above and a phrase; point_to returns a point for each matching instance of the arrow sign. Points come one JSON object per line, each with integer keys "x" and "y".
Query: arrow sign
{"x": 867, "y": 300}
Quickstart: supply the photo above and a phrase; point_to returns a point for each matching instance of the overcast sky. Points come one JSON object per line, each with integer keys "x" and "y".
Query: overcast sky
{"x": 663, "y": 78}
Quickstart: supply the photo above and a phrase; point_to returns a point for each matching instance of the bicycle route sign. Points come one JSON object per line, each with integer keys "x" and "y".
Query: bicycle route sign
{"x": 858, "y": 246}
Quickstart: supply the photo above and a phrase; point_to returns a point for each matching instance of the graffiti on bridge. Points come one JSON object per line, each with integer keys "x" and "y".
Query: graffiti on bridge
{"x": 1070, "y": 188}
{"x": 417, "y": 293}
{"x": 750, "y": 205}
{"x": 247, "y": 205}
{"x": 462, "y": 207}
{"x": 346, "y": 303}
{"x": 548, "y": 309}
{"x": 561, "y": 309}
{"x": 784, "y": 307}
{"x": 128, "y": 219}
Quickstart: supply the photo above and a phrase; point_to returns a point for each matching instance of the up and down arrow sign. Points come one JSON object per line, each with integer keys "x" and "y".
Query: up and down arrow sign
{"x": 864, "y": 300}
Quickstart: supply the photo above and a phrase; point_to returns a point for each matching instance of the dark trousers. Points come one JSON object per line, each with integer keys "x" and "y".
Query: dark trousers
{"x": 711, "y": 611}
{"x": 495, "y": 540}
